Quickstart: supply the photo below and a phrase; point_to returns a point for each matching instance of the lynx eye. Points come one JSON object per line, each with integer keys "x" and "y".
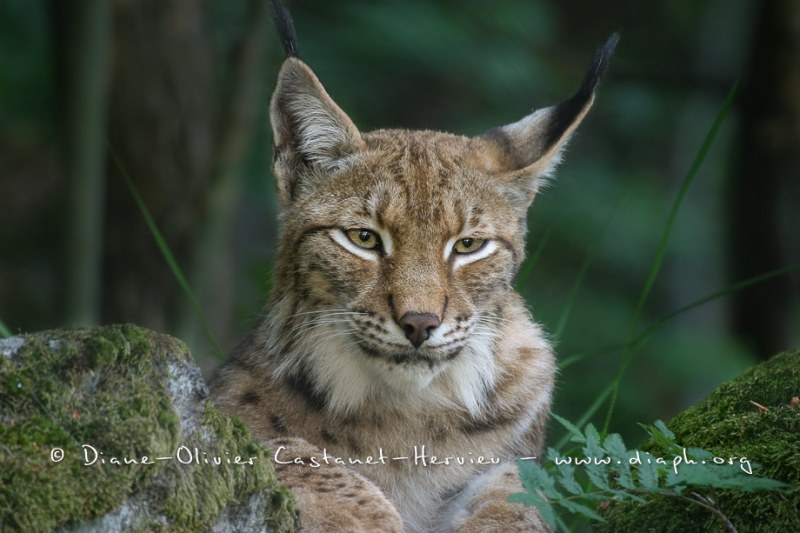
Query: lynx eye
{"x": 364, "y": 238}
{"x": 468, "y": 245}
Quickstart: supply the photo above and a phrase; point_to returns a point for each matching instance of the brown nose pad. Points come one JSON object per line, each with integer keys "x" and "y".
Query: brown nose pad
{"x": 418, "y": 326}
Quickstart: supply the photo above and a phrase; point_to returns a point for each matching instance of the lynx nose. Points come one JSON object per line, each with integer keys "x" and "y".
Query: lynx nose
{"x": 418, "y": 326}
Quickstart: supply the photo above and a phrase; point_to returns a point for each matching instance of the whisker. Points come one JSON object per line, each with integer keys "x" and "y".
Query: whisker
{"x": 494, "y": 319}
{"x": 318, "y": 322}
{"x": 321, "y": 335}
{"x": 327, "y": 312}
{"x": 323, "y": 320}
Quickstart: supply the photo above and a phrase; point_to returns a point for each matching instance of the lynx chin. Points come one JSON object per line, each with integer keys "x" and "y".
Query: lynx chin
{"x": 393, "y": 322}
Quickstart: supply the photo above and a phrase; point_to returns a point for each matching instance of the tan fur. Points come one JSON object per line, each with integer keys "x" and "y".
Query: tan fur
{"x": 329, "y": 370}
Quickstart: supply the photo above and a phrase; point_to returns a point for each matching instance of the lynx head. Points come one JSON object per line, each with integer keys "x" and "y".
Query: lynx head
{"x": 398, "y": 248}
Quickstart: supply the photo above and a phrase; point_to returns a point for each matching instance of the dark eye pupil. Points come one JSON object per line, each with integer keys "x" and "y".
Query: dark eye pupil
{"x": 467, "y": 243}
{"x": 364, "y": 235}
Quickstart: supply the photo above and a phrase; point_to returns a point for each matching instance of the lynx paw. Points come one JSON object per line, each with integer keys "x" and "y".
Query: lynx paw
{"x": 483, "y": 506}
{"x": 333, "y": 498}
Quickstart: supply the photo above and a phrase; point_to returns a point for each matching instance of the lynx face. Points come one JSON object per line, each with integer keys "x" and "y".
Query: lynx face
{"x": 411, "y": 247}
{"x": 398, "y": 248}
{"x": 392, "y": 322}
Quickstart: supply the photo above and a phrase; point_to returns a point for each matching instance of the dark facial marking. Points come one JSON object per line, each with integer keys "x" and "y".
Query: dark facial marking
{"x": 250, "y": 397}
{"x": 277, "y": 424}
{"x": 302, "y": 384}
{"x": 328, "y": 437}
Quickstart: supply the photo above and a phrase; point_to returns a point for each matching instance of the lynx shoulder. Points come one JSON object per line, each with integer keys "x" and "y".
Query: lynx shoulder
{"x": 395, "y": 373}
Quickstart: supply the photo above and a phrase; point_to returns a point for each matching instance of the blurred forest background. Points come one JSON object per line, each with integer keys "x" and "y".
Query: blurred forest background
{"x": 176, "y": 91}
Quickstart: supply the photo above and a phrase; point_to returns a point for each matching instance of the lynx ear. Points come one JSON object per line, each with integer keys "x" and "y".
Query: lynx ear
{"x": 525, "y": 152}
{"x": 310, "y": 132}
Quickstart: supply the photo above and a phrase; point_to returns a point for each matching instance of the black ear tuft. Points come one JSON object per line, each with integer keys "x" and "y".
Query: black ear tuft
{"x": 521, "y": 154}
{"x": 599, "y": 65}
{"x": 566, "y": 112}
{"x": 285, "y": 25}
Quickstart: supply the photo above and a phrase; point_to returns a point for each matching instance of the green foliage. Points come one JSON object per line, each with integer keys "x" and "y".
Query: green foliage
{"x": 26, "y": 73}
{"x": 607, "y": 471}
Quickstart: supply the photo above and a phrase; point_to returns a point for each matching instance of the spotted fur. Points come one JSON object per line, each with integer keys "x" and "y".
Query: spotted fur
{"x": 337, "y": 367}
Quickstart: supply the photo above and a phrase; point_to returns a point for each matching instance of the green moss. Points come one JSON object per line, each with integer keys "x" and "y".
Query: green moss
{"x": 728, "y": 424}
{"x": 55, "y": 395}
{"x": 108, "y": 388}
{"x": 202, "y": 493}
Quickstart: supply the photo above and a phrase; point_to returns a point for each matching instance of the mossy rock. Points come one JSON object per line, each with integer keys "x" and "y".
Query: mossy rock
{"x": 111, "y": 429}
{"x": 729, "y": 424}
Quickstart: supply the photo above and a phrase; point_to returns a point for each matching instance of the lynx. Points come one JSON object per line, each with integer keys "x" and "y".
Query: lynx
{"x": 395, "y": 374}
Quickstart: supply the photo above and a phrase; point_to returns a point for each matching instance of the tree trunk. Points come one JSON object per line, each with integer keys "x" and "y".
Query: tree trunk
{"x": 162, "y": 123}
{"x": 764, "y": 229}
{"x": 84, "y": 31}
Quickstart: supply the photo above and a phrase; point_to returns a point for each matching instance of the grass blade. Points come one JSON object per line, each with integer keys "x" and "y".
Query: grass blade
{"x": 587, "y": 415}
{"x": 730, "y": 289}
{"x": 655, "y": 266}
{"x": 587, "y": 261}
{"x": 527, "y": 268}
{"x": 4, "y": 331}
{"x": 570, "y": 427}
{"x": 165, "y": 252}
